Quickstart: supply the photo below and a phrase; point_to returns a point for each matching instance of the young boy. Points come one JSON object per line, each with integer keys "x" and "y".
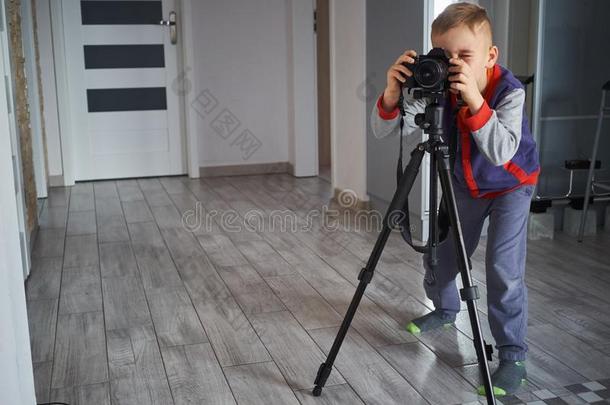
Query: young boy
{"x": 495, "y": 170}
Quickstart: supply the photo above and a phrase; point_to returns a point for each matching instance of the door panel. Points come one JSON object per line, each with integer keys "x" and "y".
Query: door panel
{"x": 117, "y": 121}
{"x": 123, "y": 56}
{"x": 120, "y": 78}
{"x": 126, "y": 99}
{"x": 123, "y": 34}
{"x": 121, "y": 12}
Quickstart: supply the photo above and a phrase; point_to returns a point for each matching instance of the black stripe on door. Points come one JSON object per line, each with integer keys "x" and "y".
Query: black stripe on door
{"x": 123, "y": 56}
{"x": 126, "y": 99}
{"x": 121, "y": 12}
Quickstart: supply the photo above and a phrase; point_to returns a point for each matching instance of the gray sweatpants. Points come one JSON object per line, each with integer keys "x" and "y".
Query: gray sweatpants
{"x": 504, "y": 263}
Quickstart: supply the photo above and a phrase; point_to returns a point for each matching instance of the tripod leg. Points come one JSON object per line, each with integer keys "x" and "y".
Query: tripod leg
{"x": 470, "y": 292}
{"x": 366, "y": 274}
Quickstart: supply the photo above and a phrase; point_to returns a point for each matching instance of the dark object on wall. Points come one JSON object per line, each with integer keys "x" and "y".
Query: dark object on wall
{"x": 581, "y": 164}
{"x": 525, "y": 80}
{"x": 578, "y": 202}
{"x": 540, "y": 206}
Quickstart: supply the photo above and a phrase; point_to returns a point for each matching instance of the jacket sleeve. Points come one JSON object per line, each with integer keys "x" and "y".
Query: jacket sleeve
{"x": 385, "y": 123}
{"x": 497, "y": 133}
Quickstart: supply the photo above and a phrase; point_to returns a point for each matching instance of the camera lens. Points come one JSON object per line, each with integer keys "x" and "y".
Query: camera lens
{"x": 430, "y": 73}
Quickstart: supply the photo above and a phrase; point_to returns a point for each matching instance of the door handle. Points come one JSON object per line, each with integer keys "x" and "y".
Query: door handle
{"x": 171, "y": 24}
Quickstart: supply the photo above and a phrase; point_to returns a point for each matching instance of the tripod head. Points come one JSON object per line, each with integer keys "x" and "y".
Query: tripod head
{"x": 434, "y": 96}
{"x": 431, "y": 120}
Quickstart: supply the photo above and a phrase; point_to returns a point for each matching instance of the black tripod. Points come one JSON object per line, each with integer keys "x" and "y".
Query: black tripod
{"x": 431, "y": 122}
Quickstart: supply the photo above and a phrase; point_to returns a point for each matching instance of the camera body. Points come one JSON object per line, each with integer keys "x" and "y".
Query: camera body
{"x": 430, "y": 72}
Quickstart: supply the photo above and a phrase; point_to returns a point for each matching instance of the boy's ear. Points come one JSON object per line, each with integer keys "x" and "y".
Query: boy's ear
{"x": 492, "y": 56}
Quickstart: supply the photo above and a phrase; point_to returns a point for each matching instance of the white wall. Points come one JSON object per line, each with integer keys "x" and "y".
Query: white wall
{"x": 16, "y": 375}
{"x": 348, "y": 106}
{"x": 241, "y": 57}
{"x": 303, "y": 125}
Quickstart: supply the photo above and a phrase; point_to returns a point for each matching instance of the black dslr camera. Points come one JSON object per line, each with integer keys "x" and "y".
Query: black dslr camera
{"x": 430, "y": 72}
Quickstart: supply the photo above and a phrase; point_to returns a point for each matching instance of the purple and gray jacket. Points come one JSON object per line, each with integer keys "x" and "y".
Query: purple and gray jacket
{"x": 495, "y": 150}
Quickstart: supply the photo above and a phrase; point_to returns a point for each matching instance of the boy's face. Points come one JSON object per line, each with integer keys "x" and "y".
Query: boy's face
{"x": 474, "y": 48}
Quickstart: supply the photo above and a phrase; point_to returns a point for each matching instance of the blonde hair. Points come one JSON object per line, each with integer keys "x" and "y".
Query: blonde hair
{"x": 469, "y": 14}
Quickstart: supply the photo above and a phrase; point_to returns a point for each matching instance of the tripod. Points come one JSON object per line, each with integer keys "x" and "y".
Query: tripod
{"x": 431, "y": 122}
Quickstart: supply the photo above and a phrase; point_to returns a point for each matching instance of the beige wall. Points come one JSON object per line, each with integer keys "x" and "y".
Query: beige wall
{"x": 22, "y": 112}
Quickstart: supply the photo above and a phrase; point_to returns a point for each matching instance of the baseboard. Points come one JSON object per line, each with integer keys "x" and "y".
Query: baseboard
{"x": 348, "y": 199}
{"x": 246, "y": 169}
{"x": 56, "y": 181}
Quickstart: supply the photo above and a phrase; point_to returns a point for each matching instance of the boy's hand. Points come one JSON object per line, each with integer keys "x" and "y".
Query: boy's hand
{"x": 464, "y": 81}
{"x": 395, "y": 79}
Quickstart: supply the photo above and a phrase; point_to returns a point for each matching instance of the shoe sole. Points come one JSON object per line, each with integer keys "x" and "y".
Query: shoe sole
{"x": 499, "y": 392}
{"x": 415, "y": 330}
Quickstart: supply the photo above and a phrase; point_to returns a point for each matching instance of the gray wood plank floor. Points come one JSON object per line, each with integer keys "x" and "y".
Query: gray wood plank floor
{"x": 227, "y": 290}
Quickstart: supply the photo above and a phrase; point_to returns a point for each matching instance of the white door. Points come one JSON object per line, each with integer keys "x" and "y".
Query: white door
{"x": 124, "y": 115}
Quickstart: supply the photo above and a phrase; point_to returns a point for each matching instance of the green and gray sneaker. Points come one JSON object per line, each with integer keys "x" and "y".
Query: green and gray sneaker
{"x": 431, "y": 321}
{"x": 507, "y": 379}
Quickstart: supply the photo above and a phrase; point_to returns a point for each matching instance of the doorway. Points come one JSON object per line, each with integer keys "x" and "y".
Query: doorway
{"x": 123, "y": 115}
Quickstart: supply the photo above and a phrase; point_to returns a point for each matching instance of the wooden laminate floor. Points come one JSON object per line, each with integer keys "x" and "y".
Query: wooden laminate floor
{"x": 132, "y": 302}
